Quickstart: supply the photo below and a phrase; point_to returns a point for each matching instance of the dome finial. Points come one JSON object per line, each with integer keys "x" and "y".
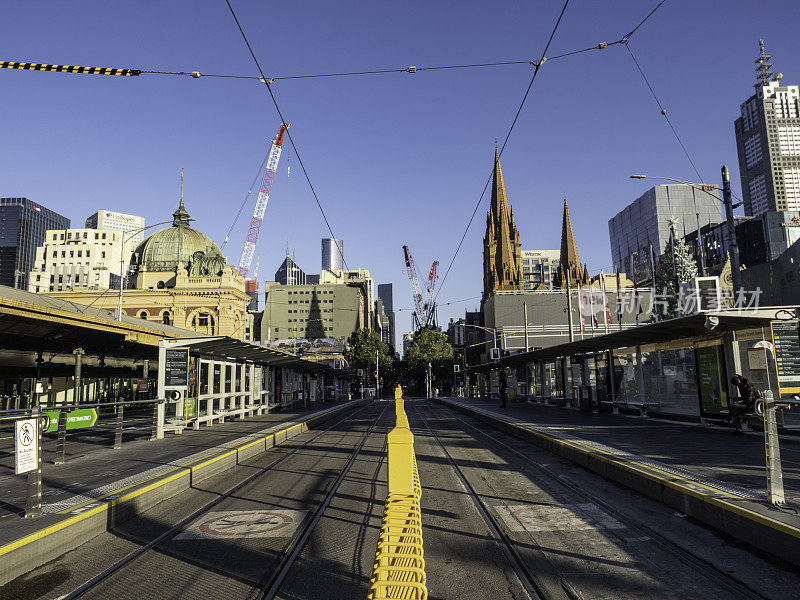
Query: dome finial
{"x": 180, "y": 216}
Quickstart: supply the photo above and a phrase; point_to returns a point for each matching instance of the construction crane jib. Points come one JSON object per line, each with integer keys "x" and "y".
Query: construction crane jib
{"x": 411, "y": 271}
{"x": 261, "y": 203}
{"x": 429, "y": 305}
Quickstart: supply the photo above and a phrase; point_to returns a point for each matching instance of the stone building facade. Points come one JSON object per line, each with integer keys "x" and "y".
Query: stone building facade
{"x": 178, "y": 276}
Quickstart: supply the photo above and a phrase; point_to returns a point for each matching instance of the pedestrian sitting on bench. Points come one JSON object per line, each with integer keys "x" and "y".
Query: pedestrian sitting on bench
{"x": 747, "y": 401}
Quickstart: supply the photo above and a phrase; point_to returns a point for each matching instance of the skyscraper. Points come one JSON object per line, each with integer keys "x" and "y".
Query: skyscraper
{"x": 22, "y": 229}
{"x": 290, "y": 274}
{"x": 332, "y": 254}
{"x": 645, "y": 222}
{"x": 106, "y": 219}
{"x": 502, "y": 255}
{"x": 385, "y": 295}
{"x": 768, "y": 143}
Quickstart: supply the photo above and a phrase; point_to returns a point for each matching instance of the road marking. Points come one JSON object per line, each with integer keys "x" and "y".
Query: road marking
{"x": 538, "y": 517}
{"x": 244, "y": 524}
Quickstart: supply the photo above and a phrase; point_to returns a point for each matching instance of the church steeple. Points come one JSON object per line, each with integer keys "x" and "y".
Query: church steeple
{"x": 502, "y": 254}
{"x": 568, "y": 260}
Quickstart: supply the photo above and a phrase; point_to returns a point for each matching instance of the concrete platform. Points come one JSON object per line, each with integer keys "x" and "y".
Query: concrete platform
{"x": 144, "y": 474}
{"x": 705, "y": 473}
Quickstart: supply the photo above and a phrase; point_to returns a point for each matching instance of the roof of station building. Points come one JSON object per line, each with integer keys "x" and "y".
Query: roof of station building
{"x": 180, "y": 245}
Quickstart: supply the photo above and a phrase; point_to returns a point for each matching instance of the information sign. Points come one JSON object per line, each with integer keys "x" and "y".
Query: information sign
{"x": 79, "y": 418}
{"x": 757, "y": 359}
{"x": 787, "y": 356}
{"x": 176, "y": 367}
{"x": 713, "y": 397}
{"x": 26, "y": 455}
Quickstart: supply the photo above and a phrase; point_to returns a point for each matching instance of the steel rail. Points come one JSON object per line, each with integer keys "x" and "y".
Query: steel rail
{"x": 707, "y": 569}
{"x": 527, "y": 578}
{"x": 273, "y": 584}
{"x": 175, "y": 529}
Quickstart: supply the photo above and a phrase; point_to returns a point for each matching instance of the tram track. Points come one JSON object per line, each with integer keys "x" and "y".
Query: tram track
{"x": 532, "y": 583}
{"x": 717, "y": 576}
{"x": 271, "y": 582}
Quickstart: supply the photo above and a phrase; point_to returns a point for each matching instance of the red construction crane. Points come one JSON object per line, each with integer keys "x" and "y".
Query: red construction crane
{"x": 429, "y": 305}
{"x": 261, "y": 203}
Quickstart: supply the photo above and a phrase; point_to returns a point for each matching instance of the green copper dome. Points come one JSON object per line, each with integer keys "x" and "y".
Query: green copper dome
{"x": 180, "y": 245}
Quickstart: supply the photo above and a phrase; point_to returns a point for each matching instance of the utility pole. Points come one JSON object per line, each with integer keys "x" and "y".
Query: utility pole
{"x": 525, "y": 316}
{"x": 430, "y": 381}
{"x": 733, "y": 248}
{"x": 377, "y": 375}
{"x": 569, "y": 307}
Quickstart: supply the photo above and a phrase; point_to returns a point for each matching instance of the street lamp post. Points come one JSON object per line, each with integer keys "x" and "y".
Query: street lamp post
{"x": 129, "y": 235}
{"x": 733, "y": 247}
{"x": 494, "y": 331}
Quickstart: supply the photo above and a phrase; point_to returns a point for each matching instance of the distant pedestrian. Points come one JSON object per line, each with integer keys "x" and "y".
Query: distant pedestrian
{"x": 503, "y": 389}
{"x": 748, "y": 395}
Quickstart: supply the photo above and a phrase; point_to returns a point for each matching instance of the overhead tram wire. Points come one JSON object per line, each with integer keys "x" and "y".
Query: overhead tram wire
{"x": 197, "y": 74}
{"x": 244, "y": 202}
{"x": 666, "y": 116}
{"x": 624, "y": 41}
{"x": 663, "y": 111}
{"x": 288, "y": 133}
{"x": 537, "y": 65}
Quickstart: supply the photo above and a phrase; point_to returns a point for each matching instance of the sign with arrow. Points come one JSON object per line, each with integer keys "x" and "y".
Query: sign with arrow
{"x": 80, "y": 418}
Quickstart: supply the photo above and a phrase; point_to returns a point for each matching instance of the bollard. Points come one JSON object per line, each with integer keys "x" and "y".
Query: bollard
{"x": 772, "y": 451}
{"x": 61, "y": 444}
{"x": 118, "y": 430}
{"x": 33, "y": 504}
{"x": 401, "y": 461}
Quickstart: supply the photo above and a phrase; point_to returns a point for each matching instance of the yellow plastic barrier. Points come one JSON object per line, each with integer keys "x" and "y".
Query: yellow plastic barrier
{"x": 399, "y": 570}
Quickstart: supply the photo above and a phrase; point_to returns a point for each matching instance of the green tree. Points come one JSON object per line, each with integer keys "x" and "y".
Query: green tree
{"x": 665, "y": 277}
{"x": 365, "y": 346}
{"x": 432, "y": 347}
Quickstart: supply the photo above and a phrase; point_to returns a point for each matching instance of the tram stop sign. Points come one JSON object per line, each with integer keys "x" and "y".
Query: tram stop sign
{"x": 26, "y": 447}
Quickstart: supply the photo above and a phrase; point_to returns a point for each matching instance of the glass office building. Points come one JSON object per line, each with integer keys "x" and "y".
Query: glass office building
{"x": 23, "y": 224}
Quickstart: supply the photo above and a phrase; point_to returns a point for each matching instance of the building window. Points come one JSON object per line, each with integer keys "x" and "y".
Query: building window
{"x": 143, "y": 314}
{"x": 165, "y": 318}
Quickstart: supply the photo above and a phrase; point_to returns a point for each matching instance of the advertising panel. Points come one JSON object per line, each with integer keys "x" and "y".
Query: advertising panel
{"x": 711, "y": 384}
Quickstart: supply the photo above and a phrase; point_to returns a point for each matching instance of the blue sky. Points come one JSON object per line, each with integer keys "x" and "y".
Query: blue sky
{"x": 397, "y": 158}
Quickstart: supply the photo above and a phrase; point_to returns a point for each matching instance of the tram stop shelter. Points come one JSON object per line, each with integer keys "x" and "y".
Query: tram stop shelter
{"x": 676, "y": 368}
{"x": 207, "y": 379}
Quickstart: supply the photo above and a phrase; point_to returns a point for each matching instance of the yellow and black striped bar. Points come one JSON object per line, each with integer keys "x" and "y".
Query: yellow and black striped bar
{"x": 69, "y": 69}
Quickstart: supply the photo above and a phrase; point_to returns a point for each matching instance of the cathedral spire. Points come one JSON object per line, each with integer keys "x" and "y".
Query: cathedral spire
{"x": 502, "y": 255}
{"x": 568, "y": 260}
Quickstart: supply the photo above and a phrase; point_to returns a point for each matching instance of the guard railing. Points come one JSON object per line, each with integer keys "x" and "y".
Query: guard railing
{"x": 399, "y": 569}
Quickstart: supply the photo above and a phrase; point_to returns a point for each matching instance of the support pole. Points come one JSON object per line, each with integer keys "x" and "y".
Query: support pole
{"x": 77, "y": 395}
{"x": 772, "y": 452}
{"x": 569, "y": 308}
{"x": 525, "y": 316}
{"x": 61, "y": 443}
{"x": 33, "y": 505}
{"x": 733, "y": 247}
{"x": 118, "y": 429}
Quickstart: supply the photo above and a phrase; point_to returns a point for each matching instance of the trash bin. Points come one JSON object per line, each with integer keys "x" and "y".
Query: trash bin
{"x": 585, "y": 398}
